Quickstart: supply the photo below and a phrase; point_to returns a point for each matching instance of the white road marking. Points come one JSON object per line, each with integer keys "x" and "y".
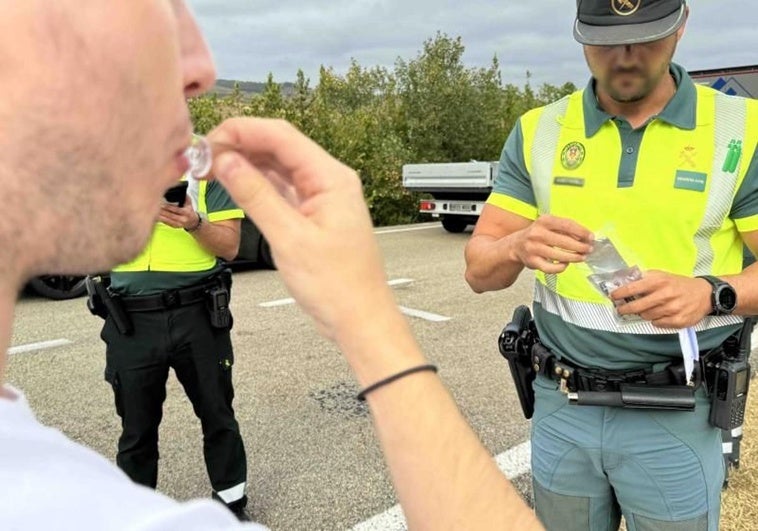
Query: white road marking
{"x": 31, "y": 347}
{"x": 285, "y": 302}
{"x": 513, "y": 463}
{"x": 408, "y": 229}
{"x": 280, "y": 302}
{"x": 400, "y": 281}
{"x": 516, "y": 461}
{"x": 423, "y": 315}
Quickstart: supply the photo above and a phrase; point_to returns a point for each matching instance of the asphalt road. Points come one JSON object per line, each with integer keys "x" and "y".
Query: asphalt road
{"x": 312, "y": 457}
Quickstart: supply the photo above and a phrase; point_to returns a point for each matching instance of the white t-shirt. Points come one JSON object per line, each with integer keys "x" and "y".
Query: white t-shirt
{"x": 48, "y": 481}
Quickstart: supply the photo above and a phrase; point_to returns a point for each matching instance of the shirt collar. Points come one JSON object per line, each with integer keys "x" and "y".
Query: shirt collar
{"x": 680, "y": 111}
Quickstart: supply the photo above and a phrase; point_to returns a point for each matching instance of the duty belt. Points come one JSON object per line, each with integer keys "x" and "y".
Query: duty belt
{"x": 575, "y": 378}
{"x": 169, "y": 299}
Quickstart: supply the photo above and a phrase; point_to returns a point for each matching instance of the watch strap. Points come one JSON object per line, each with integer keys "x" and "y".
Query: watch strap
{"x": 717, "y": 284}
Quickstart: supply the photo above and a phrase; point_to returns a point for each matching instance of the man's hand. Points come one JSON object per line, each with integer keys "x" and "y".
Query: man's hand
{"x": 551, "y": 243}
{"x": 310, "y": 208}
{"x": 178, "y": 217}
{"x": 665, "y": 299}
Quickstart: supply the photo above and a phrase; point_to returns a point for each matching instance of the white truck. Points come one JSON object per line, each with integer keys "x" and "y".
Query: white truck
{"x": 459, "y": 189}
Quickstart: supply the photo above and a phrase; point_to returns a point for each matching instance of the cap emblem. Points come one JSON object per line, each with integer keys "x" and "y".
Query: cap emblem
{"x": 625, "y": 7}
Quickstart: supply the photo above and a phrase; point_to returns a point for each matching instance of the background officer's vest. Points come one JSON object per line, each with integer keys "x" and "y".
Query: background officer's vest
{"x": 674, "y": 218}
{"x": 175, "y": 250}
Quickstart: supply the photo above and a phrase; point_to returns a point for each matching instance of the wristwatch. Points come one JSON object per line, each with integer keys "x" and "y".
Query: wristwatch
{"x": 199, "y": 222}
{"x": 723, "y": 296}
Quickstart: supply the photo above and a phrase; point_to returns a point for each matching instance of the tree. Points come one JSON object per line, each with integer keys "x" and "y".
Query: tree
{"x": 429, "y": 109}
{"x": 448, "y": 110}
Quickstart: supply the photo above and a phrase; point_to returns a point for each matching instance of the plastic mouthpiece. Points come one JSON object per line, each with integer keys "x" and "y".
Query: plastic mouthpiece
{"x": 200, "y": 157}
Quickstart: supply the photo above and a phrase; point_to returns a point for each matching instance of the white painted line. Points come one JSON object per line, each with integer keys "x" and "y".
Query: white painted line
{"x": 513, "y": 463}
{"x": 754, "y": 340}
{"x": 516, "y": 461}
{"x": 31, "y": 347}
{"x": 423, "y": 315}
{"x": 408, "y": 229}
{"x": 285, "y": 302}
{"x": 280, "y": 302}
{"x": 390, "y": 520}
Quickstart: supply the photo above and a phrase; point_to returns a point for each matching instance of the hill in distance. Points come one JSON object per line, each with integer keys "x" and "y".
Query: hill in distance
{"x": 224, "y": 87}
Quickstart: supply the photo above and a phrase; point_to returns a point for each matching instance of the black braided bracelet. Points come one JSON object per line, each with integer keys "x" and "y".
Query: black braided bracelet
{"x": 390, "y": 379}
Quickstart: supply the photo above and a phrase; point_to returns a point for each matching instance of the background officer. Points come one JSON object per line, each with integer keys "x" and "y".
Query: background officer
{"x": 175, "y": 297}
{"x": 607, "y": 159}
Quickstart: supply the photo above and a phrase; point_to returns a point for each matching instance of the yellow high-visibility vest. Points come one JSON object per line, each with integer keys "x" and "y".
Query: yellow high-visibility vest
{"x": 674, "y": 218}
{"x": 176, "y": 250}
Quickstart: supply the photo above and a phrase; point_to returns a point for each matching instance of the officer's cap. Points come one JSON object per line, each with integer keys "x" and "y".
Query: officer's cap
{"x": 618, "y": 22}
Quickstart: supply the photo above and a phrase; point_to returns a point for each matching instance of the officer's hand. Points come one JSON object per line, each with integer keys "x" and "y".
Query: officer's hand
{"x": 551, "y": 243}
{"x": 310, "y": 208}
{"x": 178, "y": 217}
{"x": 665, "y": 299}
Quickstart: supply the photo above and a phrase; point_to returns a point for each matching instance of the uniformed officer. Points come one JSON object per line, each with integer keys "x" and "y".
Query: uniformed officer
{"x": 175, "y": 298}
{"x": 668, "y": 171}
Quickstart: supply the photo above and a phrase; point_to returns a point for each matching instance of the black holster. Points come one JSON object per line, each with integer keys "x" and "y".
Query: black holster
{"x": 104, "y": 303}
{"x": 516, "y": 342}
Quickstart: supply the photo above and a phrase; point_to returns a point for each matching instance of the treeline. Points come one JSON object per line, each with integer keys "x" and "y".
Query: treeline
{"x": 429, "y": 109}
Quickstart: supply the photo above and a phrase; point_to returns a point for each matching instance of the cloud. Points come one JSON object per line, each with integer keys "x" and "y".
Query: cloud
{"x": 251, "y": 38}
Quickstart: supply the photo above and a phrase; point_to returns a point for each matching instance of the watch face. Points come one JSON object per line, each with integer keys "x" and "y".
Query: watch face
{"x": 727, "y": 298}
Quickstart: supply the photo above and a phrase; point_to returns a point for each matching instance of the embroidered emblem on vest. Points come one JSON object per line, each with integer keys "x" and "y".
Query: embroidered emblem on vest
{"x": 687, "y": 157}
{"x": 733, "y": 155}
{"x": 625, "y": 7}
{"x": 572, "y": 155}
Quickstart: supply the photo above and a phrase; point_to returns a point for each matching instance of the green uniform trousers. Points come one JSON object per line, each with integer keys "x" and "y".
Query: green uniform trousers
{"x": 663, "y": 470}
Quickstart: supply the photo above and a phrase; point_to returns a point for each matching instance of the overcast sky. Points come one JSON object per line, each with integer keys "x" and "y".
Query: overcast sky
{"x": 251, "y": 38}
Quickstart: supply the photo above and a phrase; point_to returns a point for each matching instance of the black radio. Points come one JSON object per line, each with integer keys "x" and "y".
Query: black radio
{"x": 730, "y": 381}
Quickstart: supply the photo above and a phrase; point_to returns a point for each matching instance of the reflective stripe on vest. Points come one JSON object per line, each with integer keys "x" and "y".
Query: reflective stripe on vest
{"x": 699, "y": 228}
{"x": 175, "y": 250}
{"x": 543, "y": 150}
{"x": 731, "y": 118}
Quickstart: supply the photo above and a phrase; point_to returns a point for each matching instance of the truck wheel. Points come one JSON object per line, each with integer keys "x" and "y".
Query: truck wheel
{"x": 58, "y": 287}
{"x": 454, "y": 224}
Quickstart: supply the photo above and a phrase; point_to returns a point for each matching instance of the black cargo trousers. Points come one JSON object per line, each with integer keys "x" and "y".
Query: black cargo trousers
{"x": 137, "y": 368}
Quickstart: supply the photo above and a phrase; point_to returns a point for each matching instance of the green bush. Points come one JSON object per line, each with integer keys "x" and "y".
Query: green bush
{"x": 428, "y": 109}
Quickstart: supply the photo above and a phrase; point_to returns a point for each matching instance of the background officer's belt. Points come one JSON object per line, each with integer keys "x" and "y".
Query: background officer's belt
{"x": 170, "y": 298}
{"x": 583, "y": 379}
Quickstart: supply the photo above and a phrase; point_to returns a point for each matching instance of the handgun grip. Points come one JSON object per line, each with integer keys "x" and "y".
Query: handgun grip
{"x": 520, "y": 320}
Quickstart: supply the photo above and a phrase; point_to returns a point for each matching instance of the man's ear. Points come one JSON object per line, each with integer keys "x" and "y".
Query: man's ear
{"x": 680, "y": 31}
